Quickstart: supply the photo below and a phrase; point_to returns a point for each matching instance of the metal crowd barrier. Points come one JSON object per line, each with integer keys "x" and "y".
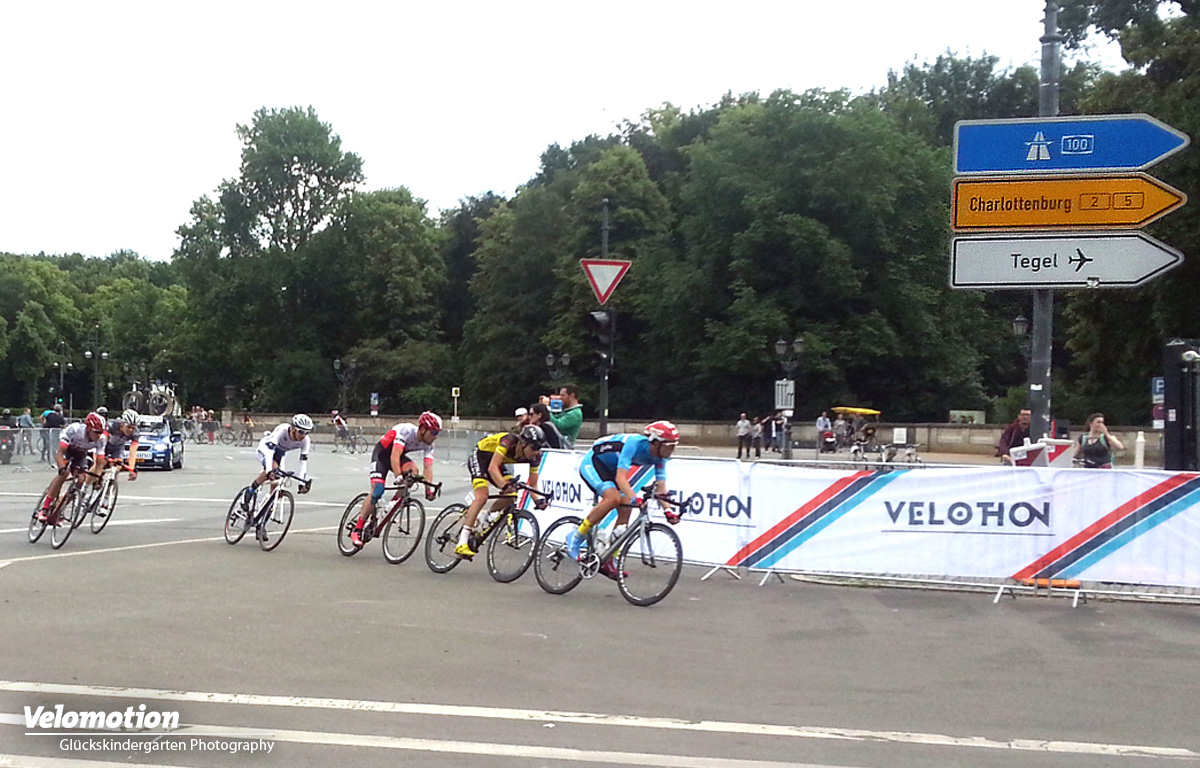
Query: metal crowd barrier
{"x": 24, "y": 450}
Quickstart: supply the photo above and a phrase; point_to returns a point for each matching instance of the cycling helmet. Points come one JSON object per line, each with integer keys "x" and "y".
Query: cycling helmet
{"x": 102, "y": 411}
{"x": 94, "y": 422}
{"x": 430, "y": 420}
{"x": 302, "y": 422}
{"x": 129, "y": 416}
{"x": 533, "y": 434}
{"x": 663, "y": 432}
{"x": 333, "y": 413}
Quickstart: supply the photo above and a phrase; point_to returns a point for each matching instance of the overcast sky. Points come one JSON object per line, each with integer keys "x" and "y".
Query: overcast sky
{"x": 118, "y": 115}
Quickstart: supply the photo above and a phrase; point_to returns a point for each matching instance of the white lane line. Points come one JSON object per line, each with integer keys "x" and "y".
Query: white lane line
{"x": 111, "y": 523}
{"x": 166, "y": 499}
{"x": 522, "y": 751}
{"x": 621, "y": 721}
{"x": 148, "y": 546}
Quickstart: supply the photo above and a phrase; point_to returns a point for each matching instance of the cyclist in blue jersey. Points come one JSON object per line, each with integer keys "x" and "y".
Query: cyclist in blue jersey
{"x": 606, "y": 467}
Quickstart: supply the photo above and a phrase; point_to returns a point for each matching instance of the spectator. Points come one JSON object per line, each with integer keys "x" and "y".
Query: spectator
{"x": 53, "y": 421}
{"x": 756, "y": 437}
{"x": 771, "y": 432}
{"x": 570, "y": 419}
{"x": 1096, "y": 447}
{"x": 522, "y": 415}
{"x": 823, "y": 423}
{"x": 841, "y": 431}
{"x": 744, "y": 430}
{"x": 1015, "y": 433}
{"x": 25, "y": 424}
{"x": 540, "y": 416}
{"x": 210, "y": 424}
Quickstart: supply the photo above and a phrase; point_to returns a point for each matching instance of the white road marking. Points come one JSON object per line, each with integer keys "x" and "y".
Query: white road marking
{"x": 621, "y": 721}
{"x": 111, "y": 523}
{"x": 168, "y": 499}
{"x": 148, "y": 546}
{"x": 565, "y": 754}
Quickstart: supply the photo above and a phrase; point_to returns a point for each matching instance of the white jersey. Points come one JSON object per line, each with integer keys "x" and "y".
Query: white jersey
{"x": 406, "y": 434}
{"x": 74, "y": 438}
{"x": 280, "y": 441}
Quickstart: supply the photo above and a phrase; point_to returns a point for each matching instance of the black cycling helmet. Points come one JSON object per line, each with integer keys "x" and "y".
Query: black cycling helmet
{"x": 533, "y": 434}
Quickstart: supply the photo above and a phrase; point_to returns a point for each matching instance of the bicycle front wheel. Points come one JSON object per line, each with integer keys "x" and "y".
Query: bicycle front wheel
{"x": 443, "y": 538}
{"x": 556, "y": 571}
{"x": 403, "y": 532}
{"x": 227, "y": 437}
{"x": 69, "y": 511}
{"x": 106, "y": 502}
{"x": 37, "y": 527}
{"x": 349, "y": 519}
{"x": 511, "y": 545}
{"x": 276, "y": 521}
{"x": 648, "y": 564}
{"x": 235, "y": 521}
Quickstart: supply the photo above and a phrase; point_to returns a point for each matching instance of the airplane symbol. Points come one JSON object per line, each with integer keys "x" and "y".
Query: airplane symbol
{"x": 1079, "y": 260}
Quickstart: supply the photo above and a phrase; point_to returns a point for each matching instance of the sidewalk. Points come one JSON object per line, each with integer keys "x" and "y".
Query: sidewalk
{"x": 811, "y": 454}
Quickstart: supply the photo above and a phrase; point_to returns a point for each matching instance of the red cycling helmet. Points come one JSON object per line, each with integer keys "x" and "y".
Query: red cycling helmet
{"x": 663, "y": 432}
{"x": 430, "y": 420}
{"x": 94, "y": 422}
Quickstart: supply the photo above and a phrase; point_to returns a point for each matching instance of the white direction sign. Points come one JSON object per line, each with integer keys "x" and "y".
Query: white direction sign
{"x": 785, "y": 394}
{"x": 1095, "y": 260}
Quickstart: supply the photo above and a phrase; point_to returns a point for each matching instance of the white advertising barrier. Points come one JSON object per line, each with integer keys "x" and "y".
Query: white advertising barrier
{"x": 718, "y": 516}
{"x": 1096, "y": 525}
{"x": 1122, "y": 526}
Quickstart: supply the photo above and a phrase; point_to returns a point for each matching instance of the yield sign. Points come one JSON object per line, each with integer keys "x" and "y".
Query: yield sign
{"x": 604, "y": 274}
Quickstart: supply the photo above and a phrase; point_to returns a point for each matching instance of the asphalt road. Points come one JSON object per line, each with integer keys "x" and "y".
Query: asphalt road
{"x": 353, "y": 661}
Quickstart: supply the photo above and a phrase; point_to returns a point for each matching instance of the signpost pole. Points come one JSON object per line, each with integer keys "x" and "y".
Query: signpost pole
{"x": 1043, "y": 299}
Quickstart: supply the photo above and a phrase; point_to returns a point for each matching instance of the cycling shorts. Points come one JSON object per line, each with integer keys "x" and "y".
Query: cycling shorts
{"x": 598, "y": 475}
{"x": 76, "y": 459}
{"x": 381, "y": 464}
{"x": 478, "y": 463}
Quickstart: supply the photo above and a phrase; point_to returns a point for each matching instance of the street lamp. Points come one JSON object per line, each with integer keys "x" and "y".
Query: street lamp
{"x": 98, "y": 356}
{"x": 1020, "y": 329}
{"x": 557, "y": 365}
{"x": 788, "y": 355}
{"x": 344, "y": 377}
{"x": 62, "y": 365}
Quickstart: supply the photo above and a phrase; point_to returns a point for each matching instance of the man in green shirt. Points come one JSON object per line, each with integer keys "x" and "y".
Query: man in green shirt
{"x": 570, "y": 419}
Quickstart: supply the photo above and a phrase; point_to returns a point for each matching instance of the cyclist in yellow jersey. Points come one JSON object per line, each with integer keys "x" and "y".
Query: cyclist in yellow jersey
{"x": 488, "y": 464}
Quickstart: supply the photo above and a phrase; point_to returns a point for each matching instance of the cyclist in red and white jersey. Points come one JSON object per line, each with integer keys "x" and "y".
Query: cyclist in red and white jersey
{"x": 391, "y": 454}
{"x": 338, "y": 422}
{"x": 76, "y": 442}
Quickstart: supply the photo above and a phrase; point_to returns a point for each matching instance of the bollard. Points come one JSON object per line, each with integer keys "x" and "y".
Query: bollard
{"x": 1139, "y": 450}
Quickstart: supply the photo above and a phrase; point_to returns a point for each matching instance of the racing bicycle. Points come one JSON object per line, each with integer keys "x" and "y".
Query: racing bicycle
{"x": 648, "y": 557}
{"x": 511, "y": 535}
{"x": 66, "y": 513}
{"x": 272, "y": 513}
{"x": 401, "y": 526}
{"x": 104, "y": 501}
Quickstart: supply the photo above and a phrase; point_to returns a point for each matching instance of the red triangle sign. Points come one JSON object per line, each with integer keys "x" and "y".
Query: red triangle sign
{"x": 604, "y": 274}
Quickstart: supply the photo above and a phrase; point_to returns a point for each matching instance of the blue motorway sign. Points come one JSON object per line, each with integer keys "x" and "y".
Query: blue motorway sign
{"x": 1063, "y": 144}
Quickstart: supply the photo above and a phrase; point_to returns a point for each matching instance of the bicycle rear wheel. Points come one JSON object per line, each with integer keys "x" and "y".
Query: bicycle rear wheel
{"x": 227, "y": 437}
{"x": 443, "y": 538}
{"x": 402, "y": 534}
{"x": 69, "y": 511}
{"x": 649, "y": 564}
{"x": 37, "y": 527}
{"x": 235, "y": 521}
{"x": 512, "y": 545}
{"x": 556, "y": 571}
{"x": 276, "y": 520}
{"x": 349, "y": 519}
{"x": 106, "y": 501}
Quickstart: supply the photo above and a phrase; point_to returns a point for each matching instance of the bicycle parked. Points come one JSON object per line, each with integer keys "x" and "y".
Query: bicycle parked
{"x": 272, "y": 514}
{"x": 350, "y": 441}
{"x": 401, "y": 526}
{"x": 66, "y": 514}
{"x": 648, "y": 556}
{"x": 511, "y": 535}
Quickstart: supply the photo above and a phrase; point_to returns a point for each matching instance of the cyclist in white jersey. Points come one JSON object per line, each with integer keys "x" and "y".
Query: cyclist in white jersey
{"x": 75, "y": 443}
{"x": 273, "y": 447}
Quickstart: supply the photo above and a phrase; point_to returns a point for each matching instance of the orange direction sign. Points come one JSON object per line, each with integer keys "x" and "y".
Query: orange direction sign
{"x": 1061, "y": 202}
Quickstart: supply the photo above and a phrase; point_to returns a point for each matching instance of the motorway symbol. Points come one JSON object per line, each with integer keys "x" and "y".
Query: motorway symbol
{"x": 1063, "y": 144}
{"x": 1088, "y": 260}
{"x": 1061, "y": 202}
{"x": 604, "y": 274}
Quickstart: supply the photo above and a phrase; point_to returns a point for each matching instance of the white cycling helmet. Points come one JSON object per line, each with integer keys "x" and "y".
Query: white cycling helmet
{"x": 302, "y": 422}
{"x": 129, "y": 416}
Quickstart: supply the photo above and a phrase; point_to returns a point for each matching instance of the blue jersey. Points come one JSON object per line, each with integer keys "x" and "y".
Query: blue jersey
{"x": 624, "y": 451}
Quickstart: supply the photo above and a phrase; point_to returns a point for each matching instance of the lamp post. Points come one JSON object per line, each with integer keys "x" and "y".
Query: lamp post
{"x": 1020, "y": 329}
{"x": 62, "y": 365}
{"x": 788, "y": 355}
{"x": 557, "y": 365}
{"x": 345, "y": 375}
